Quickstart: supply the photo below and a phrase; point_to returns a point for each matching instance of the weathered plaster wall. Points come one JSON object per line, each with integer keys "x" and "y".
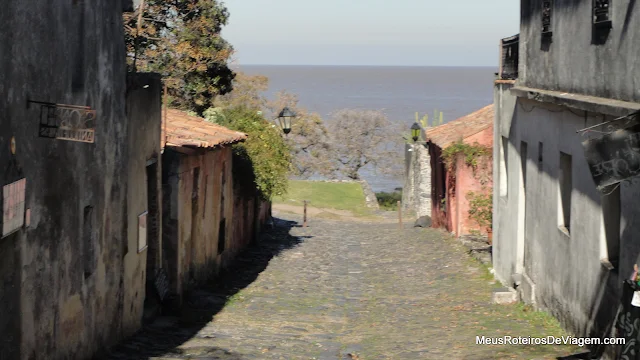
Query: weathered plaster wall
{"x": 144, "y": 107}
{"x": 193, "y": 216}
{"x": 416, "y": 194}
{"x": 200, "y": 212}
{"x": 62, "y": 288}
{"x": 505, "y": 243}
{"x": 596, "y": 69}
{"x": 561, "y": 272}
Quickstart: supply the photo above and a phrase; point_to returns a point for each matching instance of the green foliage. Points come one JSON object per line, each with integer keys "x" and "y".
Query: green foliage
{"x": 389, "y": 201}
{"x": 264, "y": 158}
{"x": 471, "y": 153}
{"x": 215, "y": 115}
{"x": 481, "y": 208}
{"x": 181, "y": 40}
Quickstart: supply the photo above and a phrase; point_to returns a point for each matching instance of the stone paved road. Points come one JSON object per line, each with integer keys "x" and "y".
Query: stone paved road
{"x": 343, "y": 290}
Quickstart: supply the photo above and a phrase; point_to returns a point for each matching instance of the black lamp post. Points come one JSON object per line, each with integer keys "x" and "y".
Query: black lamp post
{"x": 415, "y": 131}
{"x": 284, "y": 119}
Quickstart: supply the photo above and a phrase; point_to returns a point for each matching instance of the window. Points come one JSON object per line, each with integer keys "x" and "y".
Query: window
{"x": 222, "y": 234}
{"x": 540, "y": 155}
{"x": 564, "y": 194}
{"x": 195, "y": 189}
{"x": 602, "y": 23}
{"x": 523, "y": 162}
{"x": 547, "y": 7}
{"x": 88, "y": 239}
{"x": 610, "y": 243}
{"x": 504, "y": 157}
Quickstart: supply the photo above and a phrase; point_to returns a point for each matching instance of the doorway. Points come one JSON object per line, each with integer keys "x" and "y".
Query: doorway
{"x": 153, "y": 299}
{"x": 522, "y": 209}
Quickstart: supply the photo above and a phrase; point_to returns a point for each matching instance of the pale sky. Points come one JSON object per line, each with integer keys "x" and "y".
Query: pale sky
{"x": 370, "y": 32}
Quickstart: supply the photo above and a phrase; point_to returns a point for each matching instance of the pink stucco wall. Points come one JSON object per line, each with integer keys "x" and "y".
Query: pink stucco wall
{"x": 469, "y": 180}
{"x": 454, "y": 214}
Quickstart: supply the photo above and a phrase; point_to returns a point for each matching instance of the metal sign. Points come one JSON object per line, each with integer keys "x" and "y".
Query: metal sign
{"x": 13, "y": 199}
{"x": 614, "y": 157}
{"x": 66, "y": 122}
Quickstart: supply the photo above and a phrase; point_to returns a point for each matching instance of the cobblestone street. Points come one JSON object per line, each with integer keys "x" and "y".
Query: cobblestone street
{"x": 344, "y": 290}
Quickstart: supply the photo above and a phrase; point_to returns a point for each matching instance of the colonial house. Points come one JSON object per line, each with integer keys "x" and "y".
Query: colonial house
{"x": 208, "y": 216}
{"x": 77, "y": 141}
{"x": 456, "y": 181}
{"x": 565, "y": 221}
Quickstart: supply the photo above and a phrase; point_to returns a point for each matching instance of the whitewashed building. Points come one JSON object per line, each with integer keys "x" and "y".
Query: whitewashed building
{"x": 564, "y": 242}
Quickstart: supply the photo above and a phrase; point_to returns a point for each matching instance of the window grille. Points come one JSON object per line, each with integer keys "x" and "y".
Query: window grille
{"x": 547, "y": 6}
{"x": 601, "y": 15}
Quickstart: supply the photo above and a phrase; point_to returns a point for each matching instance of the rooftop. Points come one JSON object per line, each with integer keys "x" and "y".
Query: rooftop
{"x": 462, "y": 128}
{"x": 180, "y": 129}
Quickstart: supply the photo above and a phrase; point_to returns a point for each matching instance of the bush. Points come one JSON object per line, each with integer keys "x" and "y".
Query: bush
{"x": 264, "y": 159}
{"x": 481, "y": 208}
{"x": 389, "y": 201}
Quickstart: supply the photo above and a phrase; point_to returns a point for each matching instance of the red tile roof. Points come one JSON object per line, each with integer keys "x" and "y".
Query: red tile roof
{"x": 462, "y": 128}
{"x": 180, "y": 129}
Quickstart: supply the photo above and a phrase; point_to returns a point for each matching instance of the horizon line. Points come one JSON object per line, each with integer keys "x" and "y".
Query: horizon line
{"x": 365, "y": 65}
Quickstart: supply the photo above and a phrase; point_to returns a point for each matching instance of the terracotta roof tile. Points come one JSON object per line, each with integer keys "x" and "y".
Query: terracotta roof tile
{"x": 181, "y": 129}
{"x": 462, "y": 128}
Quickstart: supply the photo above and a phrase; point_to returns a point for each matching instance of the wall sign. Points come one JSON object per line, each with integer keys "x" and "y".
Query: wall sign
{"x": 66, "y": 122}
{"x": 614, "y": 157}
{"x": 13, "y": 198}
{"x": 142, "y": 231}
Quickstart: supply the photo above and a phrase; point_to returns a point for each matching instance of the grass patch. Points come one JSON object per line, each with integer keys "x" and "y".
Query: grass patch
{"x": 326, "y": 195}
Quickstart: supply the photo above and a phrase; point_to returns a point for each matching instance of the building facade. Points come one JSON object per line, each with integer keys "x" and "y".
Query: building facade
{"x": 70, "y": 268}
{"x": 208, "y": 216}
{"x": 453, "y": 186}
{"x": 562, "y": 241}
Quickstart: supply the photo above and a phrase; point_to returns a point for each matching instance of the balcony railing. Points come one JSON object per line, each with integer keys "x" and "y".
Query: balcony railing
{"x": 509, "y": 58}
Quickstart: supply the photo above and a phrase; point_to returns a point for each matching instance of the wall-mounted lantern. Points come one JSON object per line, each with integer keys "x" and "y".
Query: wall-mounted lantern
{"x": 415, "y": 131}
{"x": 284, "y": 119}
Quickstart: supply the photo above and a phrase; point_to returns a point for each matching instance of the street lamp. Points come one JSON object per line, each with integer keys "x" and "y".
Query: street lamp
{"x": 284, "y": 119}
{"x": 415, "y": 131}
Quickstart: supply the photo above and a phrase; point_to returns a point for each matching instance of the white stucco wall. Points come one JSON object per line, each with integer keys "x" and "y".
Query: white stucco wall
{"x": 416, "y": 194}
{"x": 561, "y": 272}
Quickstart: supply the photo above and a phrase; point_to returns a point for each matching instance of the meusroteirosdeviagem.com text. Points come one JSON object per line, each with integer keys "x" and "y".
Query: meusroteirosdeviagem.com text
{"x": 547, "y": 340}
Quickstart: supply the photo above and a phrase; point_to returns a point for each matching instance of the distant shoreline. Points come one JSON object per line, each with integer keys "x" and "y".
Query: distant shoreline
{"x": 370, "y": 66}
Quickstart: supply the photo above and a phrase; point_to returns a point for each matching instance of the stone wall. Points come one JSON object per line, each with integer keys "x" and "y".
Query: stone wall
{"x": 416, "y": 195}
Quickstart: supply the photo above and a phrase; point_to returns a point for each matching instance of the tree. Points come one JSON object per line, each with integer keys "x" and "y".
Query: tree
{"x": 361, "y": 138}
{"x": 247, "y": 91}
{"x": 263, "y": 160}
{"x": 181, "y": 40}
{"x": 309, "y": 139}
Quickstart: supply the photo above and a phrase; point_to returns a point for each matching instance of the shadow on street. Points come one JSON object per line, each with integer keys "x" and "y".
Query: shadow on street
{"x": 163, "y": 337}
